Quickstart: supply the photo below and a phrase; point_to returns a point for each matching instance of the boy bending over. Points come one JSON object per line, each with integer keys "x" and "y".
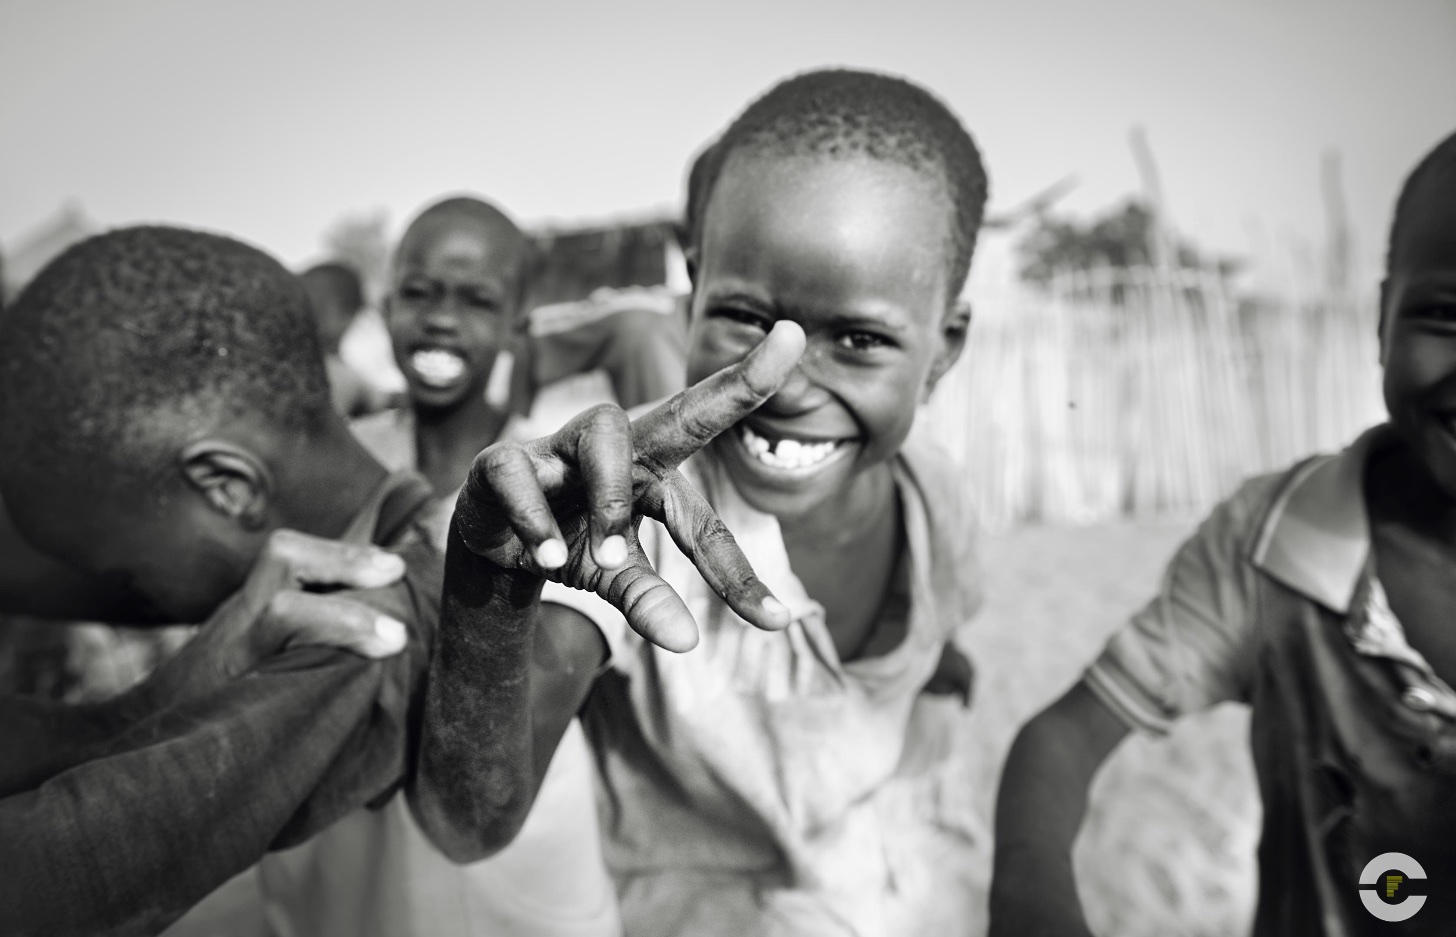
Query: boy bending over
{"x": 170, "y": 388}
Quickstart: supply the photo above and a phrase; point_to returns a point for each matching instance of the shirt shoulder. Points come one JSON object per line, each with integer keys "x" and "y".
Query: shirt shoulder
{"x": 943, "y": 495}
{"x": 1194, "y": 644}
{"x": 389, "y": 435}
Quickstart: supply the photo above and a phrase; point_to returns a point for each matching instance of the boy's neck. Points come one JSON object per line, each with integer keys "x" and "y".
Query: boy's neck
{"x": 336, "y": 476}
{"x": 447, "y": 441}
{"x": 837, "y": 523}
{"x": 1400, "y": 490}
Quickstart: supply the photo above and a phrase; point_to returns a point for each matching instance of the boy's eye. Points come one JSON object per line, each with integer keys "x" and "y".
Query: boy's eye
{"x": 414, "y": 292}
{"x": 477, "y": 301}
{"x": 1444, "y": 313}
{"x": 863, "y": 341}
{"x": 743, "y": 316}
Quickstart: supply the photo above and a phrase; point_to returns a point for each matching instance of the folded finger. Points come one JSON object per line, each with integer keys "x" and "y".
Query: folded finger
{"x": 689, "y": 421}
{"x": 295, "y": 619}
{"x": 604, "y": 453}
{"x": 651, "y": 606}
{"x": 507, "y": 473}
{"x": 703, "y": 538}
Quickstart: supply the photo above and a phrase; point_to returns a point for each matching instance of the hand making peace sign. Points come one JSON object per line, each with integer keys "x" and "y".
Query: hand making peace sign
{"x": 566, "y": 507}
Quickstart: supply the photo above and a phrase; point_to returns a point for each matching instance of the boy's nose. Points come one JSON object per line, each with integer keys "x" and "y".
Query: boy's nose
{"x": 442, "y": 318}
{"x": 798, "y": 395}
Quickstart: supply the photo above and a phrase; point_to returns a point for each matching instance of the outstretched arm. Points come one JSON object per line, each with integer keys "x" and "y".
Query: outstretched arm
{"x": 1039, "y": 809}
{"x": 566, "y": 507}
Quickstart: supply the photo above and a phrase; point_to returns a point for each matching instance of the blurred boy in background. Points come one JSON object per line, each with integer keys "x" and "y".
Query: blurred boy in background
{"x": 336, "y": 297}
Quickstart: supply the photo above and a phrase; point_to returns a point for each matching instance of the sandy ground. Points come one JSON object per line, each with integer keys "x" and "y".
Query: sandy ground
{"x": 1168, "y": 846}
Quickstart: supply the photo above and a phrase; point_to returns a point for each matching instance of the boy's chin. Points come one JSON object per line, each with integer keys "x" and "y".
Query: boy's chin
{"x": 438, "y": 399}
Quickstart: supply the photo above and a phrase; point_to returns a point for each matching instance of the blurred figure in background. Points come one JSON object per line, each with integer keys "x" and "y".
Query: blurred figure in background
{"x": 337, "y": 296}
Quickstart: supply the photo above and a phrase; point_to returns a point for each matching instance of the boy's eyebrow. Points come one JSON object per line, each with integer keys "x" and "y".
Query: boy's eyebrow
{"x": 887, "y": 318}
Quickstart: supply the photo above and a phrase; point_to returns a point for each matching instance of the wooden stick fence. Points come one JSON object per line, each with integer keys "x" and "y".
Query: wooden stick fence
{"x": 1142, "y": 393}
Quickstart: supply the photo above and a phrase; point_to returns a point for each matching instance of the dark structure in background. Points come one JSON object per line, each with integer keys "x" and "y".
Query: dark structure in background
{"x": 573, "y": 263}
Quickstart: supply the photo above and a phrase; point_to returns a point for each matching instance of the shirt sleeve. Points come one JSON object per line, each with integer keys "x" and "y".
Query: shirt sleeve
{"x": 198, "y": 791}
{"x": 1192, "y": 645}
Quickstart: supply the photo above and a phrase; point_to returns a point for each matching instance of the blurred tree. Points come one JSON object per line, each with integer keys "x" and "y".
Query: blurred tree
{"x": 1123, "y": 238}
{"x": 361, "y": 240}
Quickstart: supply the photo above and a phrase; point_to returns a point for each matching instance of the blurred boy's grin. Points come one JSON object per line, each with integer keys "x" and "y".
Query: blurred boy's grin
{"x": 1418, "y": 334}
{"x": 438, "y": 367}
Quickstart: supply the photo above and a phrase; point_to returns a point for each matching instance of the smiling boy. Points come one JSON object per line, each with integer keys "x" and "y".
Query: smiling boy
{"x": 1323, "y": 597}
{"x": 763, "y": 782}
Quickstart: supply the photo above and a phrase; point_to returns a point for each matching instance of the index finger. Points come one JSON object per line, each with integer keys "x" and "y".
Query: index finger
{"x": 314, "y": 561}
{"x": 689, "y": 421}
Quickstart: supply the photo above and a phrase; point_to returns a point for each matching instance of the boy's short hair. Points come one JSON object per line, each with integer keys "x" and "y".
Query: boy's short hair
{"x": 469, "y": 206}
{"x": 1440, "y": 164}
{"x": 127, "y": 327}
{"x": 840, "y": 113}
{"x": 340, "y": 281}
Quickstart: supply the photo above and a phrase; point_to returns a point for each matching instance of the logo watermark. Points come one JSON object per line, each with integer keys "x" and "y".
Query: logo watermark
{"x": 1370, "y": 883}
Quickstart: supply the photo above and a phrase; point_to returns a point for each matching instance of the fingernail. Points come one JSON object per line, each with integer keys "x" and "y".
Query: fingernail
{"x": 386, "y": 562}
{"x": 776, "y": 610}
{"x": 391, "y": 633}
{"x": 551, "y": 554}
{"x": 613, "y": 552}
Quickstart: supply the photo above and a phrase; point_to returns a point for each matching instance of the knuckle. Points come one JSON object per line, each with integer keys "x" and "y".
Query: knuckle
{"x": 501, "y": 458}
{"x": 613, "y": 508}
{"x": 606, "y": 415}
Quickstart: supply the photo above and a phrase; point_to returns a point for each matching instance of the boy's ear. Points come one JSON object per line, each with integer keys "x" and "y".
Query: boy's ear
{"x": 953, "y": 331}
{"x": 1384, "y": 313}
{"x": 233, "y": 480}
{"x": 690, "y": 260}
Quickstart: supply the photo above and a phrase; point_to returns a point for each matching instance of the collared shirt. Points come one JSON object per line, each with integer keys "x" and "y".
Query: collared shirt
{"x": 193, "y": 794}
{"x": 760, "y": 785}
{"x": 1275, "y": 602}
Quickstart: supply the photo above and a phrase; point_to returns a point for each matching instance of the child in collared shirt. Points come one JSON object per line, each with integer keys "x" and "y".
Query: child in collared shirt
{"x": 1323, "y": 598}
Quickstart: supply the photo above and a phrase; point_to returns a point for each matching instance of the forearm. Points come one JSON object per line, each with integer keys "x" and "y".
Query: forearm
{"x": 474, "y": 779}
{"x": 42, "y": 738}
{"x": 1039, "y": 810}
{"x": 179, "y": 803}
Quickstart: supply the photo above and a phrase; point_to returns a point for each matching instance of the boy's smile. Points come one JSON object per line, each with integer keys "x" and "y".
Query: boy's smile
{"x": 1418, "y": 333}
{"x": 856, "y": 252}
{"x": 454, "y": 302}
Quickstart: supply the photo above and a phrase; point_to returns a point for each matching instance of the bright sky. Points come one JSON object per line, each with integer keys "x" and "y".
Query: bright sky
{"x": 270, "y": 118}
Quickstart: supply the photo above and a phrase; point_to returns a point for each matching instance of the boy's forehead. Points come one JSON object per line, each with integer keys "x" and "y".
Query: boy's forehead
{"x": 463, "y": 242}
{"x": 1428, "y": 238}
{"x": 859, "y": 225}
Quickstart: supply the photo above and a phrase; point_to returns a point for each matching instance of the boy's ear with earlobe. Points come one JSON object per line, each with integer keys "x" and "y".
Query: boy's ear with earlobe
{"x": 953, "y": 331}
{"x": 234, "y": 481}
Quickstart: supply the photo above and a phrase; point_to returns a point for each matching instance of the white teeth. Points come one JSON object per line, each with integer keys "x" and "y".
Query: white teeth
{"x": 787, "y": 453}
{"x": 437, "y": 367}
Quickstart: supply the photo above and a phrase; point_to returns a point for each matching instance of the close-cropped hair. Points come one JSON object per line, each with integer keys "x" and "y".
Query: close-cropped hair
{"x": 131, "y": 326}
{"x": 841, "y": 113}
{"x": 341, "y": 282}
{"x": 1438, "y": 166}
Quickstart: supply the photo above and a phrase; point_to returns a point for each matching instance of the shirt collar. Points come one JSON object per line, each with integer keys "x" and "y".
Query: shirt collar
{"x": 363, "y": 529}
{"x": 1316, "y": 539}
